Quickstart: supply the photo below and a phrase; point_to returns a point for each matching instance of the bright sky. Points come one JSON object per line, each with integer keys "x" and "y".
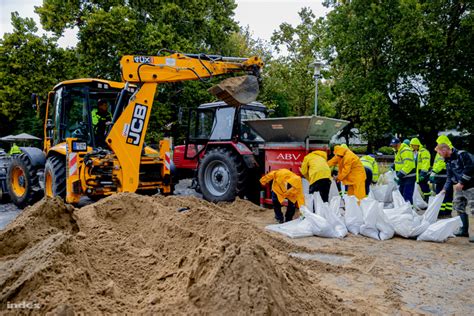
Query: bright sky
{"x": 262, "y": 16}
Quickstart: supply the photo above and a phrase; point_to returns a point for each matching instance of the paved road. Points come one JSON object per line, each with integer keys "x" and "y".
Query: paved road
{"x": 8, "y": 212}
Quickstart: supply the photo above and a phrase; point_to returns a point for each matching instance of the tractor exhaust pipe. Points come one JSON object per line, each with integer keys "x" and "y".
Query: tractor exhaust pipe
{"x": 236, "y": 91}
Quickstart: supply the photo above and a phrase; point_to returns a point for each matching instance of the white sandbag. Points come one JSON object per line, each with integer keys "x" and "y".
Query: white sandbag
{"x": 335, "y": 221}
{"x": 297, "y": 228}
{"x": 407, "y": 222}
{"x": 382, "y": 192}
{"x": 386, "y": 230}
{"x": 402, "y": 219}
{"x": 432, "y": 212}
{"x": 353, "y": 217}
{"x": 305, "y": 186}
{"x": 441, "y": 230}
{"x": 387, "y": 177}
{"x": 418, "y": 201}
{"x": 369, "y": 210}
{"x": 320, "y": 226}
{"x": 398, "y": 200}
{"x": 333, "y": 191}
{"x": 309, "y": 202}
{"x": 335, "y": 205}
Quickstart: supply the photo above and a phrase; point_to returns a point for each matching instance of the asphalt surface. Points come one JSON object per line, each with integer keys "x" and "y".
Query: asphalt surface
{"x": 8, "y": 212}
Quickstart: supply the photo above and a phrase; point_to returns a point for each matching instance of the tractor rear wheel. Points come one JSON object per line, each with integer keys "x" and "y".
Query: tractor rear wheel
{"x": 55, "y": 177}
{"x": 221, "y": 175}
{"x": 22, "y": 181}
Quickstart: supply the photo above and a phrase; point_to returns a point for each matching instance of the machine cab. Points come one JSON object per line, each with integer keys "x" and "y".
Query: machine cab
{"x": 73, "y": 108}
{"x": 219, "y": 122}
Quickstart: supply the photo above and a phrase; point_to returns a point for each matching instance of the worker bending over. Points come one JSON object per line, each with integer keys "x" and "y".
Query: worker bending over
{"x": 285, "y": 185}
{"x": 423, "y": 165}
{"x": 371, "y": 171}
{"x": 405, "y": 169}
{"x": 351, "y": 172}
{"x": 460, "y": 173}
{"x": 316, "y": 170}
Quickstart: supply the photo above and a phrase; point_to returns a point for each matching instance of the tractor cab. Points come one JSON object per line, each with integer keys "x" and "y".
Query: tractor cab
{"x": 73, "y": 109}
{"x": 219, "y": 121}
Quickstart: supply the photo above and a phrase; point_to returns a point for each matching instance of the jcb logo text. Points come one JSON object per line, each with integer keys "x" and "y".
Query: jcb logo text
{"x": 137, "y": 125}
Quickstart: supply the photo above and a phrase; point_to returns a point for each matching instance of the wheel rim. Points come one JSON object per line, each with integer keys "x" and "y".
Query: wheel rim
{"x": 18, "y": 181}
{"x": 48, "y": 185}
{"x": 217, "y": 178}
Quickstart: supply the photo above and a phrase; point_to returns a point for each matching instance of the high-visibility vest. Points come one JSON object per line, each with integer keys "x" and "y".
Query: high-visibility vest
{"x": 371, "y": 163}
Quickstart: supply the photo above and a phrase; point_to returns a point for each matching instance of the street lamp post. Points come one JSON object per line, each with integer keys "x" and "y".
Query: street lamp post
{"x": 317, "y": 74}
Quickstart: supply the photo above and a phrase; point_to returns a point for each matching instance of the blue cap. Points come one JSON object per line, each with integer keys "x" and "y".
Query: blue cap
{"x": 394, "y": 141}
{"x": 406, "y": 141}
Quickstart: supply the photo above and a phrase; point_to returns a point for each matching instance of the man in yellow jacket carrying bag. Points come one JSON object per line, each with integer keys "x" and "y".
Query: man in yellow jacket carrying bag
{"x": 316, "y": 170}
{"x": 285, "y": 185}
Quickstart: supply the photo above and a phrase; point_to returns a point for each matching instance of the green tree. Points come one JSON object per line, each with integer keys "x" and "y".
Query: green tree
{"x": 108, "y": 30}
{"x": 399, "y": 62}
{"x": 28, "y": 64}
{"x": 290, "y": 77}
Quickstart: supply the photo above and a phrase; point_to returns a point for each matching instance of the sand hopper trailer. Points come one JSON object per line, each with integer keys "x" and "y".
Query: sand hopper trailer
{"x": 229, "y": 148}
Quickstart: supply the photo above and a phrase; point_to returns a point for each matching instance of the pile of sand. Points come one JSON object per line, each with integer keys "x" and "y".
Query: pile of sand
{"x": 131, "y": 253}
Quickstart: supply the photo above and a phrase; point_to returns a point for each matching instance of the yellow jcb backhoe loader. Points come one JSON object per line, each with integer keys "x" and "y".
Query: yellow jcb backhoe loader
{"x": 81, "y": 157}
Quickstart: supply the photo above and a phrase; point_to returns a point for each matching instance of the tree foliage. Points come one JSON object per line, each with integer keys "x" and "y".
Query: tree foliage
{"x": 392, "y": 66}
{"x": 402, "y": 66}
{"x": 28, "y": 63}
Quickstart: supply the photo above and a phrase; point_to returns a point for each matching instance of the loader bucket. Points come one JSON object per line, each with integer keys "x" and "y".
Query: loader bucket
{"x": 236, "y": 91}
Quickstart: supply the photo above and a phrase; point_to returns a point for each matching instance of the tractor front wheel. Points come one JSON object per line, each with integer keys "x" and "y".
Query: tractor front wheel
{"x": 55, "y": 177}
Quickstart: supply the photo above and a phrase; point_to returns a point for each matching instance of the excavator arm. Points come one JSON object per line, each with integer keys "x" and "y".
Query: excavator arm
{"x": 181, "y": 67}
{"x": 129, "y": 128}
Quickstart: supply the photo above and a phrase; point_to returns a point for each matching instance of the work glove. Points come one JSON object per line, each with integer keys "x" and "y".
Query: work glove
{"x": 400, "y": 175}
{"x": 423, "y": 176}
{"x": 432, "y": 177}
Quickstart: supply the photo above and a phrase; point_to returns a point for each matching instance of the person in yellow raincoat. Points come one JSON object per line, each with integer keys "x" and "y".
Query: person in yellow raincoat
{"x": 286, "y": 185}
{"x": 351, "y": 172}
{"x": 316, "y": 170}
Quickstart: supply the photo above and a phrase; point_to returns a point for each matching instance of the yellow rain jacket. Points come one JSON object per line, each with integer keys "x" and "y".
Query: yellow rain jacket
{"x": 281, "y": 178}
{"x": 371, "y": 163}
{"x": 405, "y": 161}
{"x": 315, "y": 166}
{"x": 423, "y": 159}
{"x": 351, "y": 171}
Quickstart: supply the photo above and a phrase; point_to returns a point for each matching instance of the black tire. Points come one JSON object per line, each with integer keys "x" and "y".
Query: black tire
{"x": 222, "y": 175}
{"x": 55, "y": 168}
{"x": 28, "y": 182}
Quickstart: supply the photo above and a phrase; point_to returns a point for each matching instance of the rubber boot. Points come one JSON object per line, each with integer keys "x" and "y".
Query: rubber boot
{"x": 471, "y": 228}
{"x": 464, "y": 230}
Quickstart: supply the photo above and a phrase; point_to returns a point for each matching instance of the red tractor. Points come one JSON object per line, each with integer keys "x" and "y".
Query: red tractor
{"x": 229, "y": 148}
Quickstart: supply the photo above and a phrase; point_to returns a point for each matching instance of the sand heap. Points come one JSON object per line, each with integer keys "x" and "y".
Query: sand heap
{"x": 131, "y": 253}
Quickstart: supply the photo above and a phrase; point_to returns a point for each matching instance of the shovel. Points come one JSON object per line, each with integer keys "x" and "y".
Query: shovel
{"x": 236, "y": 91}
